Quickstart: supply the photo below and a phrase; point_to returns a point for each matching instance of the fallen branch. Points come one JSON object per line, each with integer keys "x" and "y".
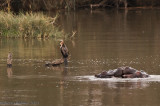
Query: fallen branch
{"x": 99, "y": 4}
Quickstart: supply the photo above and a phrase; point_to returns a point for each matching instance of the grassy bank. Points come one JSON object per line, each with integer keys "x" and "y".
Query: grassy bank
{"x": 33, "y": 25}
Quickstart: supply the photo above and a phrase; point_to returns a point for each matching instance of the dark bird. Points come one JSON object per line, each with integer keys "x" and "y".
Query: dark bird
{"x": 64, "y": 52}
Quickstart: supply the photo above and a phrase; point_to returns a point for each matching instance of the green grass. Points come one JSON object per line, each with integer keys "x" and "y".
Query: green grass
{"x": 33, "y": 25}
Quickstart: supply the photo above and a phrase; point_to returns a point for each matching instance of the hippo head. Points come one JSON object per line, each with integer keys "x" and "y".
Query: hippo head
{"x": 144, "y": 74}
{"x": 138, "y": 74}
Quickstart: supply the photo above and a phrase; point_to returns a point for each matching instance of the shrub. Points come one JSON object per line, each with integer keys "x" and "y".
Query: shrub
{"x": 29, "y": 25}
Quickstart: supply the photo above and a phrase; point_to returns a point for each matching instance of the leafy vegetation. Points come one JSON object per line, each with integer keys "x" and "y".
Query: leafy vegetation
{"x": 28, "y": 25}
{"x": 38, "y": 25}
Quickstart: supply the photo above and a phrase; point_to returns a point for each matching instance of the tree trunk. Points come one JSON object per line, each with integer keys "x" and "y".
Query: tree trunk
{"x": 8, "y": 5}
{"x": 117, "y": 3}
{"x": 125, "y": 4}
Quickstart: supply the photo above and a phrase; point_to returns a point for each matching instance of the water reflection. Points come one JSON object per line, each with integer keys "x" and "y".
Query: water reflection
{"x": 63, "y": 70}
{"x": 128, "y": 85}
{"x": 62, "y": 84}
{"x": 9, "y": 72}
{"x": 122, "y": 83}
{"x": 106, "y": 39}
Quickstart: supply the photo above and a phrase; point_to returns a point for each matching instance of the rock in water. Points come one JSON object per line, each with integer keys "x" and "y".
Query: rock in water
{"x": 55, "y": 62}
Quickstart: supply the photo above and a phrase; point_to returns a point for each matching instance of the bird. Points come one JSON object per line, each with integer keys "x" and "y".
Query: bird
{"x": 64, "y": 51}
{"x": 9, "y": 60}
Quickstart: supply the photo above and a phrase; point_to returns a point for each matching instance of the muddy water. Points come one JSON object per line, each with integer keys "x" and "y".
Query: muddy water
{"x": 106, "y": 39}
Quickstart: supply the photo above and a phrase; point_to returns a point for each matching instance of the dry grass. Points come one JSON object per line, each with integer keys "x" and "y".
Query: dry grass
{"x": 27, "y": 25}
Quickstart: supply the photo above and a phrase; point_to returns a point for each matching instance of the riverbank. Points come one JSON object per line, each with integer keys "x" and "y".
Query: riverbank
{"x": 28, "y": 25}
{"x": 49, "y": 5}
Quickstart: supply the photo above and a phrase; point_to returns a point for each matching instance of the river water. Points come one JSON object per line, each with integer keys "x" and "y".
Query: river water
{"x": 105, "y": 39}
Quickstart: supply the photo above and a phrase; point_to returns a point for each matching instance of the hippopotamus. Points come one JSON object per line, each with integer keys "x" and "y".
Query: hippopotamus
{"x": 123, "y": 72}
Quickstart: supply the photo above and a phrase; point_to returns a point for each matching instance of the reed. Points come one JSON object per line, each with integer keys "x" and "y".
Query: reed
{"x": 29, "y": 25}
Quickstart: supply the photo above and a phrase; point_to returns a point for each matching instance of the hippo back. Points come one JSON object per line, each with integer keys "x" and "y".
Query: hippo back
{"x": 129, "y": 70}
{"x": 111, "y": 72}
{"x": 119, "y": 72}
